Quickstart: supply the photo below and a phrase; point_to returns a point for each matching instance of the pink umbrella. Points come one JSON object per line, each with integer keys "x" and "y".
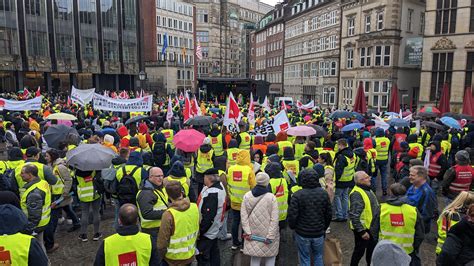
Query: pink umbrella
{"x": 360, "y": 105}
{"x": 301, "y": 131}
{"x": 188, "y": 140}
{"x": 445, "y": 98}
{"x": 394, "y": 105}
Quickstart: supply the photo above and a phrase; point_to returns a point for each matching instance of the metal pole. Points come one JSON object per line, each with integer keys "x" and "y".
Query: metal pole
{"x": 166, "y": 58}
{"x": 184, "y": 72}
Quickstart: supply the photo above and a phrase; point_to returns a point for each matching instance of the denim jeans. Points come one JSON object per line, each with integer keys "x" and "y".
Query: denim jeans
{"x": 71, "y": 214}
{"x": 308, "y": 246}
{"x": 380, "y": 166}
{"x": 235, "y": 227}
{"x": 51, "y": 228}
{"x": 341, "y": 202}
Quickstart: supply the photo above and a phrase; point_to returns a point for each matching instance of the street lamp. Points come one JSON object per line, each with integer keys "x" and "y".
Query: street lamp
{"x": 142, "y": 78}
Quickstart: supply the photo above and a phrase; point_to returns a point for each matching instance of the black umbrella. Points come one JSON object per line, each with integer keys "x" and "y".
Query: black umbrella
{"x": 199, "y": 121}
{"x": 320, "y": 131}
{"x": 136, "y": 119}
{"x": 57, "y": 133}
{"x": 433, "y": 125}
{"x": 341, "y": 114}
{"x": 427, "y": 114}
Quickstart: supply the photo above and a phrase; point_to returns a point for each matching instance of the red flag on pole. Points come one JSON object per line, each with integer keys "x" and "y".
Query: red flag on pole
{"x": 187, "y": 108}
{"x": 26, "y": 93}
{"x": 38, "y": 92}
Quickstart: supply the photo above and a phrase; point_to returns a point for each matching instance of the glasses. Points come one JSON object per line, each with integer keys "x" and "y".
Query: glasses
{"x": 158, "y": 175}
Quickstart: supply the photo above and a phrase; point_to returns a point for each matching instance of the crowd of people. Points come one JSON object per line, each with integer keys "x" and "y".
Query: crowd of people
{"x": 172, "y": 206}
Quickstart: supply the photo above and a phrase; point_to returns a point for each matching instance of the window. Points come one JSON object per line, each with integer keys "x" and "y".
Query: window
{"x": 34, "y": 7}
{"x": 382, "y": 55}
{"x": 349, "y": 58}
{"x": 8, "y": 43}
{"x": 386, "y": 56}
{"x": 365, "y": 56}
{"x": 329, "y": 95}
{"x": 471, "y": 21}
{"x": 368, "y": 61}
{"x": 159, "y": 39}
{"x": 158, "y": 20}
{"x": 380, "y": 21}
{"x": 441, "y": 72}
{"x": 314, "y": 69}
{"x": 202, "y": 36}
{"x": 469, "y": 69}
{"x": 7, "y": 5}
{"x": 347, "y": 92}
{"x": 410, "y": 20}
{"x": 422, "y": 22}
{"x": 362, "y": 56}
{"x": 333, "y": 68}
{"x": 351, "y": 26}
{"x": 378, "y": 55}
{"x": 445, "y": 16}
{"x": 367, "y": 23}
{"x": 306, "y": 70}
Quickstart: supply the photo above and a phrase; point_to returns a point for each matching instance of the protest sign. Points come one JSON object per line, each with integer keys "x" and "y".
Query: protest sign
{"x": 82, "y": 97}
{"x": 12, "y": 105}
{"x": 105, "y": 103}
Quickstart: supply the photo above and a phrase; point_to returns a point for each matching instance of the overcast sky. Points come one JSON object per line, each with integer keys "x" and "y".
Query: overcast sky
{"x": 271, "y": 2}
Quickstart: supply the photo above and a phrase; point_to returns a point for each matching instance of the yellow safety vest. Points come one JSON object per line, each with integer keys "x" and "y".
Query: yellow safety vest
{"x": 186, "y": 228}
{"x": 161, "y": 204}
{"x": 85, "y": 188}
{"x": 366, "y": 215}
{"x": 57, "y": 189}
{"x": 169, "y": 135}
{"x": 310, "y": 162}
{"x": 397, "y": 224}
{"x": 232, "y": 156}
{"x": 282, "y": 145}
{"x": 331, "y": 153}
{"x": 20, "y": 181}
{"x": 444, "y": 224}
{"x": 420, "y": 147}
{"x": 244, "y": 141}
{"x": 204, "y": 161}
{"x": 217, "y": 145}
{"x": 238, "y": 182}
{"x": 299, "y": 150}
{"x": 445, "y": 147}
{"x": 127, "y": 250}
{"x": 381, "y": 146}
{"x": 280, "y": 190}
{"x": 46, "y": 209}
{"x": 292, "y": 165}
{"x": 349, "y": 170}
{"x": 294, "y": 189}
{"x": 14, "y": 164}
{"x": 371, "y": 159}
{"x": 183, "y": 181}
{"x": 15, "y": 249}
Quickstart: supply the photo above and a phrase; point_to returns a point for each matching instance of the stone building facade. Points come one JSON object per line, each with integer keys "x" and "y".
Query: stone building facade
{"x": 448, "y": 51}
{"x": 311, "y": 57}
{"x": 381, "y": 45}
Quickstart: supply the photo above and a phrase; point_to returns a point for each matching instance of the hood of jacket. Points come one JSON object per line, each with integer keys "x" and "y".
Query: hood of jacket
{"x": 273, "y": 170}
{"x": 149, "y": 185}
{"x": 177, "y": 169}
{"x": 243, "y": 158}
{"x": 274, "y": 158}
{"x": 412, "y": 138}
{"x": 181, "y": 205}
{"x": 13, "y": 219}
{"x": 59, "y": 161}
{"x": 122, "y": 131}
{"x": 143, "y": 128}
{"x": 118, "y": 160}
{"x": 388, "y": 253}
{"x": 271, "y": 149}
{"x": 360, "y": 152}
{"x": 159, "y": 137}
{"x": 288, "y": 154}
{"x": 437, "y": 145}
{"x": 379, "y": 132}
{"x": 135, "y": 158}
{"x": 214, "y": 132}
{"x": 396, "y": 200}
{"x": 205, "y": 148}
{"x": 233, "y": 144}
{"x": 308, "y": 178}
{"x": 368, "y": 144}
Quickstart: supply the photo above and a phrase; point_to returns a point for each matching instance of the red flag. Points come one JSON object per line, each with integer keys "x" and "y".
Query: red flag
{"x": 234, "y": 111}
{"x": 68, "y": 101}
{"x": 114, "y": 95}
{"x": 38, "y": 92}
{"x": 26, "y": 93}
{"x": 283, "y": 105}
{"x": 187, "y": 108}
{"x": 181, "y": 97}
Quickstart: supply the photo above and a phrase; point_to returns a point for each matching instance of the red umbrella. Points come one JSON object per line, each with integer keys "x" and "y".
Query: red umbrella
{"x": 445, "y": 97}
{"x": 430, "y": 109}
{"x": 188, "y": 140}
{"x": 360, "y": 105}
{"x": 394, "y": 105}
{"x": 467, "y": 107}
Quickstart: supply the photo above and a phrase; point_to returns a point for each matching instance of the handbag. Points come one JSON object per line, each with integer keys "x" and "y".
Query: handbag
{"x": 332, "y": 252}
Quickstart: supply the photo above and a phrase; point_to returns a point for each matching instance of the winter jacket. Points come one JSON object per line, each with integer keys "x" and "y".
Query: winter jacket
{"x": 424, "y": 199}
{"x": 341, "y": 163}
{"x": 458, "y": 248}
{"x": 135, "y": 158}
{"x": 449, "y": 177}
{"x": 259, "y": 217}
{"x": 127, "y": 231}
{"x": 419, "y": 226}
{"x": 146, "y": 199}
{"x": 47, "y": 173}
{"x": 214, "y": 133}
{"x": 243, "y": 159}
{"x": 167, "y": 230}
{"x": 65, "y": 175}
{"x": 357, "y": 206}
{"x": 388, "y": 253}
{"x": 160, "y": 150}
{"x": 442, "y": 161}
{"x": 111, "y": 131}
{"x": 310, "y": 211}
{"x": 14, "y": 221}
{"x": 362, "y": 164}
{"x": 34, "y": 205}
{"x": 467, "y": 140}
{"x": 304, "y": 162}
{"x": 212, "y": 209}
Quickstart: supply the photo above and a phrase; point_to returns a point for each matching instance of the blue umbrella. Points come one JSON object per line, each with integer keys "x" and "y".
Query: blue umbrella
{"x": 353, "y": 126}
{"x": 398, "y": 122}
{"x": 214, "y": 110}
{"x": 341, "y": 114}
{"x": 450, "y": 122}
{"x": 358, "y": 116}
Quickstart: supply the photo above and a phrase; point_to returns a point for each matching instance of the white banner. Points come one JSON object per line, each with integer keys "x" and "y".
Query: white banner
{"x": 12, "y": 105}
{"x": 82, "y": 97}
{"x": 281, "y": 122}
{"x": 105, "y": 103}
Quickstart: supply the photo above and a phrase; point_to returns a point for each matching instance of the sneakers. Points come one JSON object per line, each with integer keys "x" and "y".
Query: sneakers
{"x": 235, "y": 247}
{"x": 53, "y": 248}
{"x": 61, "y": 220}
{"x": 83, "y": 237}
{"x": 227, "y": 237}
{"x": 97, "y": 236}
{"x": 328, "y": 230}
{"x": 68, "y": 221}
{"x": 74, "y": 228}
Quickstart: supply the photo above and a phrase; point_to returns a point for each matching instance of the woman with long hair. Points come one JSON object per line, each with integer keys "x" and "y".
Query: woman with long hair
{"x": 451, "y": 215}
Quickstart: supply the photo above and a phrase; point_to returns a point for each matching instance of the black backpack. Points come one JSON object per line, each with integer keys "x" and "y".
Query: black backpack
{"x": 127, "y": 188}
{"x": 7, "y": 179}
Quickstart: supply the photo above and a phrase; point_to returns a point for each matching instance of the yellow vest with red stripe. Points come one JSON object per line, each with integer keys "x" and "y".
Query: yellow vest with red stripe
{"x": 127, "y": 249}
{"x": 204, "y": 161}
{"x": 397, "y": 224}
{"x": 15, "y": 249}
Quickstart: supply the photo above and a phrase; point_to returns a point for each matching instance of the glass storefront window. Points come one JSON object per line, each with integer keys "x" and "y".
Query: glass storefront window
{"x": 88, "y": 29}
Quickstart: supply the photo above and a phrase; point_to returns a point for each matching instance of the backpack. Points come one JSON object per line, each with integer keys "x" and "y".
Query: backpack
{"x": 98, "y": 182}
{"x": 159, "y": 154}
{"x": 7, "y": 180}
{"x": 127, "y": 187}
{"x": 110, "y": 182}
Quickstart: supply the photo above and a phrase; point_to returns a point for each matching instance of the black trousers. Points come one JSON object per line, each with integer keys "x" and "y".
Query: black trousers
{"x": 362, "y": 246}
{"x": 209, "y": 254}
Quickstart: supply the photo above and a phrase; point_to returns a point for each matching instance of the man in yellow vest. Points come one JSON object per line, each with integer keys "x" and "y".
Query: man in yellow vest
{"x": 217, "y": 141}
{"x": 126, "y": 187}
{"x": 344, "y": 170}
{"x": 279, "y": 188}
{"x": 128, "y": 246}
{"x": 364, "y": 207}
{"x": 232, "y": 153}
{"x": 204, "y": 161}
{"x": 401, "y": 223}
{"x": 382, "y": 144}
{"x": 152, "y": 202}
{"x": 244, "y": 139}
{"x": 169, "y": 133}
{"x": 179, "y": 228}
{"x": 17, "y": 248}
{"x": 35, "y": 202}
{"x": 240, "y": 179}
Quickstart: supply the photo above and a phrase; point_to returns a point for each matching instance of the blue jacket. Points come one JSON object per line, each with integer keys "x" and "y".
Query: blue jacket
{"x": 424, "y": 199}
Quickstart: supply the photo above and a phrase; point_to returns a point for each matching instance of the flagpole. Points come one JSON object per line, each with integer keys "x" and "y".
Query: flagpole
{"x": 184, "y": 71}
{"x": 166, "y": 58}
